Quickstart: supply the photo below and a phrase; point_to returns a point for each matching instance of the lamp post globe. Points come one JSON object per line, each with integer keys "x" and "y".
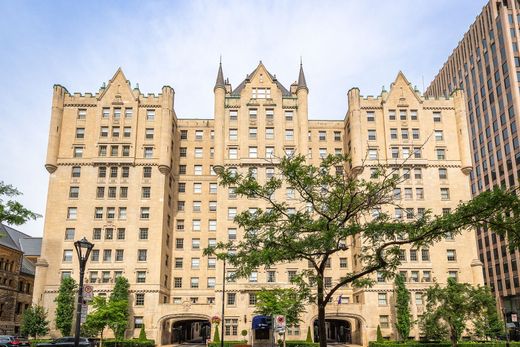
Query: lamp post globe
{"x": 83, "y": 249}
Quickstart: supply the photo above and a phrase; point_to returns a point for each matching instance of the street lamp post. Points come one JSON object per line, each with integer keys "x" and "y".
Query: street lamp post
{"x": 83, "y": 248}
{"x": 223, "y": 301}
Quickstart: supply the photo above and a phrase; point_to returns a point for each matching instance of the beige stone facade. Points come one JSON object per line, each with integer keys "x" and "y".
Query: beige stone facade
{"x": 150, "y": 202}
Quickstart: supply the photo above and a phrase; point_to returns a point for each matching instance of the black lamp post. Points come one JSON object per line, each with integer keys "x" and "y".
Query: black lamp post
{"x": 219, "y": 169}
{"x": 83, "y": 248}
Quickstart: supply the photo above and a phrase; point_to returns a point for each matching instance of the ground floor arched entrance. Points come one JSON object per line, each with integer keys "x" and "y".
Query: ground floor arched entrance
{"x": 337, "y": 330}
{"x": 185, "y": 329}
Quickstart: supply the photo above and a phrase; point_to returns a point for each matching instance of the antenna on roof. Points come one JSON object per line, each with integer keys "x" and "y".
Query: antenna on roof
{"x": 301, "y": 60}
{"x": 220, "y": 60}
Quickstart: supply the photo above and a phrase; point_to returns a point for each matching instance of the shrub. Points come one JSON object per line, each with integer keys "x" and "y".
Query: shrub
{"x": 289, "y": 343}
{"x": 309, "y": 336}
{"x": 226, "y": 343}
{"x": 441, "y": 344}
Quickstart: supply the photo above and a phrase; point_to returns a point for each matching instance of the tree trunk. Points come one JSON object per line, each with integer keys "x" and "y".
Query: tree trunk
{"x": 321, "y": 316}
{"x": 453, "y": 337}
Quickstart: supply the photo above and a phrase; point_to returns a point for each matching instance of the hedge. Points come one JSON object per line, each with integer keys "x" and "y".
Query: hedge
{"x": 33, "y": 342}
{"x": 441, "y": 344}
{"x": 227, "y": 343}
{"x": 129, "y": 343}
{"x": 292, "y": 343}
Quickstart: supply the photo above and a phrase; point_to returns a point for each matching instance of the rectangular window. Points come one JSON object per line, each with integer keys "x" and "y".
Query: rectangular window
{"x": 371, "y": 135}
{"x": 269, "y": 133}
{"x": 384, "y": 322}
{"x": 115, "y": 132}
{"x": 233, "y": 153}
{"x": 141, "y": 276}
{"x": 67, "y": 255}
{"x": 148, "y": 152}
{"x": 119, "y": 254}
{"x": 443, "y": 173}
{"x": 233, "y": 115}
{"x": 253, "y": 152}
{"x": 381, "y": 299}
{"x": 441, "y": 153}
{"x": 82, "y": 113}
{"x": 195, "y": 243}
{"x": 148, "y": 134}
{"x": 142, "y": 254}
{"x": 451, "y": 255}
{"x": 402, "y": 114}
{"x": 391, "y": 114}
{"x": 129, "y": 112}
{"x": 139, "y": 299}
{"x": 436, "y": 117}
{"x": 252, "y": 133}
{"x": 105, "y": 112}
{"x": 289, "y": 134}
{"x": 404, "y": 133}
{"x": 288, "y": 116}
{"x": 145, "y": 213}
{"x": 413, "y": 114}
{"x": 194, "y": 282}
{"x": 107, "y": 255}
{"x": 415, "y": 134}
{"x": 150, "y": 115}
{"x": 72, "y": 213}
{"x": 147, "y": 172}
{"x": 184, "y": 134}
{"x": 78, "y": 152}
{"x": 252, "y": 114}
{"x": 439, "y": 135}
{"x": 445, "y": 193}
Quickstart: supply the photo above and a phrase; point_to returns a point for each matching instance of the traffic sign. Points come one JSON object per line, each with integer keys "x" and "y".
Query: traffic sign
{"x": 279, "y": 321}
{"x": 88, "y": 292}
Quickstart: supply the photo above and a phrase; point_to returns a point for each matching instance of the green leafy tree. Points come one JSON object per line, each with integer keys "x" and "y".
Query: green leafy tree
{"x": 329, "y": 212}
{"x": 142, "y": 334}
{"x": 487, "y": 323}
{"x": 119, "y": 307}
{"x": 451, "y": 308}
{"x": 216, "y": 335}
{"x": 379, "y": 334}
{"x": 98, "y": 319}
{"x": 65, "y": 302}
{"x": 309, "y": 336}
{"x": 279, "y": 301}
{"x": 11, "y": 211}
{"x": 34, "y": 322}
{"x": 403, "y": 316}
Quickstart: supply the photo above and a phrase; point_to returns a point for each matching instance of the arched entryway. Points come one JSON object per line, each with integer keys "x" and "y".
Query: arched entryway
{"x": 338, "y": 330}
{"x": 343, "y": 328}
{"x": 185, "y": 329}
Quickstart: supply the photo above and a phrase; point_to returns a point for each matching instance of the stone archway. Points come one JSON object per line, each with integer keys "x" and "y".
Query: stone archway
{"x": 344, "y": 328}
{"x": 184, "y": 328}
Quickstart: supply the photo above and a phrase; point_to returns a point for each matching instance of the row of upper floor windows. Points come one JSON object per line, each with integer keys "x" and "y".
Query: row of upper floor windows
{"x": 405, "y": 134}
{"x": 115, "y": 151}
{"x": 403, "y": 115}
{"x": 115, "y": 133}
{"x": 116, "y": 113}
{"x": 109, "y": 213}
{"x": 406, "y": 153}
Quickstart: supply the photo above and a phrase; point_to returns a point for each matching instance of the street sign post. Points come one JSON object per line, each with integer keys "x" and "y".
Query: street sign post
{"x": 84, "y": 312}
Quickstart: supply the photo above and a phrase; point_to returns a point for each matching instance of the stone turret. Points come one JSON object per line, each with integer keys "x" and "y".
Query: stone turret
{"x": 220, "y": 94}
{"x": 302, "y": 92}
{"x": 58, "y": 97}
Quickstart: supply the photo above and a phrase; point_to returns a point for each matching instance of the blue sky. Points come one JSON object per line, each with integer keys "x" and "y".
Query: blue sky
{"x": 81, "y": 44}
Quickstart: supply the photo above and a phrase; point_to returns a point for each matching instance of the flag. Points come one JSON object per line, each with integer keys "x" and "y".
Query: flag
{"x": 339, "y": 300}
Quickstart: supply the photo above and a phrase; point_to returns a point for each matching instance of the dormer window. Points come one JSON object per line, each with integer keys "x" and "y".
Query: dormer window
{"x": 261, "y": 93}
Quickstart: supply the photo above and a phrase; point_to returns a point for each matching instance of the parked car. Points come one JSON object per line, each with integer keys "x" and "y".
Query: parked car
{"x": 67, "y": 341}
{"x": 14, "y": 341}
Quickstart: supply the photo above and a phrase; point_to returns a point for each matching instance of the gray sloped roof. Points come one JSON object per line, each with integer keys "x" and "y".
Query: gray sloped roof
{"x": 28, "y": 267}
{"x": 240, "y": 87}
{"x": 12, "y": 238}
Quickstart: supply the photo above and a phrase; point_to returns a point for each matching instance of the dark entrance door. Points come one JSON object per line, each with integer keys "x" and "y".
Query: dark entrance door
{"x": 337, "y": 331}
{"x": 191, "y": 331}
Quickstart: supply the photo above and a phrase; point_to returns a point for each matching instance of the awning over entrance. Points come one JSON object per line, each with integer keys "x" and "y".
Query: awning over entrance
{"x": 261, "y": 322}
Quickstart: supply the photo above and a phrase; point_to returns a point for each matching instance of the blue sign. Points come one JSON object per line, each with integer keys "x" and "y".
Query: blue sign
{"x": 261, "y": 322}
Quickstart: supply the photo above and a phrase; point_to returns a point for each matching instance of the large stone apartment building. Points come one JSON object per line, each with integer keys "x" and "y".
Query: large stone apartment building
{"x": 486, "y": 65}
{"x": 136, "y": 180}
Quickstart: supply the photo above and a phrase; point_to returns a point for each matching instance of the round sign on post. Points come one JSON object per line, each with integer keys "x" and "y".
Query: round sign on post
{"x": 88, "y": 292}
{"x": 279, "y": 321}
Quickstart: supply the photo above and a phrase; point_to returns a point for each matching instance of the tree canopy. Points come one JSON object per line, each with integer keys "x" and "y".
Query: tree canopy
{"x": 449, "y": 310}
{"x": 34, "y": 322}
{"x": 279, "y": 301}
{"x": 12, "y": 211}
{"x": 65, "y": 302}
{"x": 403, "y": 315}
{"x": 331, "y": 210}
